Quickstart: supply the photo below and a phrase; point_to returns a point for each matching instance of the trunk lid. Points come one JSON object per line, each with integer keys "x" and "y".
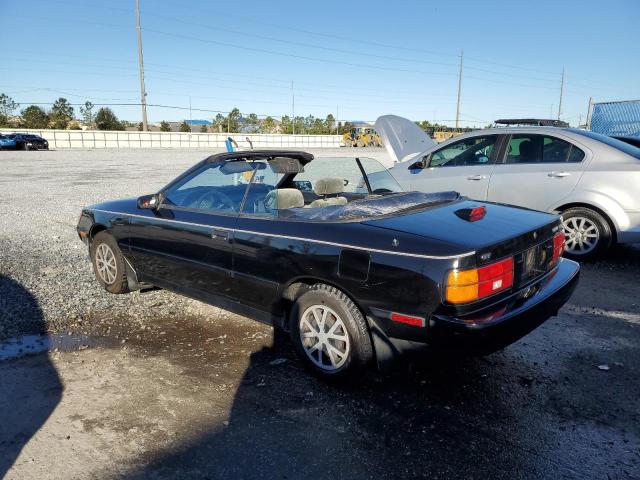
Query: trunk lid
{"x": 499, "y": 225}
{"x": 503, "y": 231}
{"x": 402, "y": 138}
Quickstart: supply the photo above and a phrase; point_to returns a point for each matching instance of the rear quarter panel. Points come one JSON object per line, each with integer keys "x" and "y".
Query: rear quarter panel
{"x": 611, "y": 183}
{"x": 265, "y": 267}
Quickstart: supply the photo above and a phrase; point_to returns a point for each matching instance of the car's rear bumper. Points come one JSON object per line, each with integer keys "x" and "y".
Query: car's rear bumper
{"x": 519, "y": 318}
{"x": 493, "y": 328}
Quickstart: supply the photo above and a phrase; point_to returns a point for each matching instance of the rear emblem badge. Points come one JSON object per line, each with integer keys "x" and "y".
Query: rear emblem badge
{"x": 395, "y": 242}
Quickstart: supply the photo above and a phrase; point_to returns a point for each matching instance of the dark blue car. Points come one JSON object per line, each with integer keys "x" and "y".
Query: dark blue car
{"x": 22, "y": 141}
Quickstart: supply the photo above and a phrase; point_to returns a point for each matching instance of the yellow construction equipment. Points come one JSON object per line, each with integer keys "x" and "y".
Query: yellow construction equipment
{"x": 440, "y": 136}
{"x": 361, "y": 137}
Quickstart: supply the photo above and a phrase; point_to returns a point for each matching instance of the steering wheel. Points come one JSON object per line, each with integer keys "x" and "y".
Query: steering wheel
{"x": 214, "y": 200}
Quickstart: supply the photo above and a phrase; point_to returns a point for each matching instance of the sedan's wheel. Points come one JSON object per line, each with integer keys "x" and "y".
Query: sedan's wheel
{"x": 108, "y": 263}
{"x": 586, "y": 232}
{"x": 329, "y": 332}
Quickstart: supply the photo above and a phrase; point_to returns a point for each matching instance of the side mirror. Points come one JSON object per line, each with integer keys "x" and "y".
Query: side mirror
{"x": 420, "y": 164}
{"x": 150, "y": 202}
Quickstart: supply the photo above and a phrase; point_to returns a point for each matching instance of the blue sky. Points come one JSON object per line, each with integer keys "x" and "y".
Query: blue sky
{"x": 363, "y": 59}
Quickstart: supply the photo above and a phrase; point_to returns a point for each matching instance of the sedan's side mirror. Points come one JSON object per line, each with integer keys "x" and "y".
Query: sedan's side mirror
{"x": 420, "y": 164}
{"x": 150, "y": 202}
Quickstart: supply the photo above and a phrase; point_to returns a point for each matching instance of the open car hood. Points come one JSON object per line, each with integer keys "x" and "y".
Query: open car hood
{"x": 403, "y": 139}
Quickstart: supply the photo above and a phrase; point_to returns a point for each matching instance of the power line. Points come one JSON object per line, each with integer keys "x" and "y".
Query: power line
{"x": 343, "y": 38}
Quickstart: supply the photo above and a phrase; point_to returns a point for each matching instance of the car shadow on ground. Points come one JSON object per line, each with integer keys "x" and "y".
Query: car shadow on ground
{"x": 442, "y": 420}
{"x": 25, "y": 401}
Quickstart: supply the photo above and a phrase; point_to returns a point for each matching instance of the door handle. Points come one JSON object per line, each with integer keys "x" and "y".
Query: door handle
{"x": 558, "y": 174}
{"x": 477, "y": 177}
{"x": 220, "y": 234}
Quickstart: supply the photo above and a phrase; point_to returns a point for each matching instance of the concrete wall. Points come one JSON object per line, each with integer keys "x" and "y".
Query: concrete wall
{"x": 110, "y": 139}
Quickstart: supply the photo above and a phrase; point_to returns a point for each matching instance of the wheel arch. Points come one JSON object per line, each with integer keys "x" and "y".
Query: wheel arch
{"x": 297, "y": 286}
{"x": 589, "y": 206}
{"x": 95, "y": 229}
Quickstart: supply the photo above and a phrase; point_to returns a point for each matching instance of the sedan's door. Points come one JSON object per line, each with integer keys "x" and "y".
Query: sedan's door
{"x": 464, "y": 166}
{"x": 537, "y": 171}
{"x": 186, "y": 243}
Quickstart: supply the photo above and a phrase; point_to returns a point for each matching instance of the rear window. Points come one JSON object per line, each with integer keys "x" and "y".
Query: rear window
{"x": 612, "y": 142}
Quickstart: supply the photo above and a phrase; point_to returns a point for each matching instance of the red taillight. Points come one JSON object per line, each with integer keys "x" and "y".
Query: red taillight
{"x": 470, "y": 285}
{"x": 558, "y": 246}
{"x": 495, "y": 277}
{"x": 477, "y": 213}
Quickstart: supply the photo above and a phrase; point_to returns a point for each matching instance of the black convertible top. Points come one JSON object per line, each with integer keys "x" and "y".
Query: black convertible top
{"x": 302, "y": 157}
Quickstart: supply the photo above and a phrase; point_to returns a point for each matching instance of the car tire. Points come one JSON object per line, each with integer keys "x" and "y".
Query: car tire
{"x": 587, "y": 233}
{"x": 345, "y": 345}
{"x": 108, "y": 263}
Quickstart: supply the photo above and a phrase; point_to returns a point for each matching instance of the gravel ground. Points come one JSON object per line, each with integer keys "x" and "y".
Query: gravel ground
{"x": 41, "y": 196}
{"x": 154, "y": 385}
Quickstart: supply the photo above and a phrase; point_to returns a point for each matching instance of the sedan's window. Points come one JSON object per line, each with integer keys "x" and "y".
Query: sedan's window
{"x": 530, "y": 148}
{"x": 214, "y": 187}
{"x": 467, "y": 152}
{"x": 612, "y": 142}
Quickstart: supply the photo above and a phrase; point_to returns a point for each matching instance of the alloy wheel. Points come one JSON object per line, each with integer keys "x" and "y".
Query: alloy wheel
{"x": 106, "y": 264}
{"x": 581, "y": 235}
{"x": 324, "y": 337}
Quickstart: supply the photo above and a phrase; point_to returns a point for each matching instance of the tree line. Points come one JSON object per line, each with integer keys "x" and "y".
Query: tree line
{"x": 62, "y": 115}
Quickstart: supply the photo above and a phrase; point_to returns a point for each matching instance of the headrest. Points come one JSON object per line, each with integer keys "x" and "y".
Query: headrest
{"x": 328, "y": 186}
{"x": 526, "y": 148}
{"x": 281, "y": 198}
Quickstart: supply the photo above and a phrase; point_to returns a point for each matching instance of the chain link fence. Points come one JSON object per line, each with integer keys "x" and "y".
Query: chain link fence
{"x": 616, "y": 118}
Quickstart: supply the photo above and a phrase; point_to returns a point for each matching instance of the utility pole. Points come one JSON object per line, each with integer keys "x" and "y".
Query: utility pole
{"x": 589, "y": 112}
{"x": 561, "y": 92}
{"x": 459, "y": 89}
{"x": 143, "y": 93}
{"x": 190, "y": 117}
{"x": 293, "y": 110}
{"x": 337, "y": 116}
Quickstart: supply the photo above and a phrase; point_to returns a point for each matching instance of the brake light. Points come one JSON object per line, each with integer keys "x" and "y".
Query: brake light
{"x": 468, "y": 285}
{"x": 558, "y": 247}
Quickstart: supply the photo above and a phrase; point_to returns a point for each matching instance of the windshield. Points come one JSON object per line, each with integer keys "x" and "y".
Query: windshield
{"x": 612, "y": 142}
{"x": 349, "y": 170}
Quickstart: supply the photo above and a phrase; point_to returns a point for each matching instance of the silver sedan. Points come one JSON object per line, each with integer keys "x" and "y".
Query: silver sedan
{"x": 591, "y": 179}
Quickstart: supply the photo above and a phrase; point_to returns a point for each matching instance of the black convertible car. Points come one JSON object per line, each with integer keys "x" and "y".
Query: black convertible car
{"x": 355, "y": 269}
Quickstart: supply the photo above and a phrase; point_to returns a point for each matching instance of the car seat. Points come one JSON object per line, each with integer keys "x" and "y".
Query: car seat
{"x": 527, "y": 152}
{"x": 325, "y": 187}
{"x": 283, "y": 198}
